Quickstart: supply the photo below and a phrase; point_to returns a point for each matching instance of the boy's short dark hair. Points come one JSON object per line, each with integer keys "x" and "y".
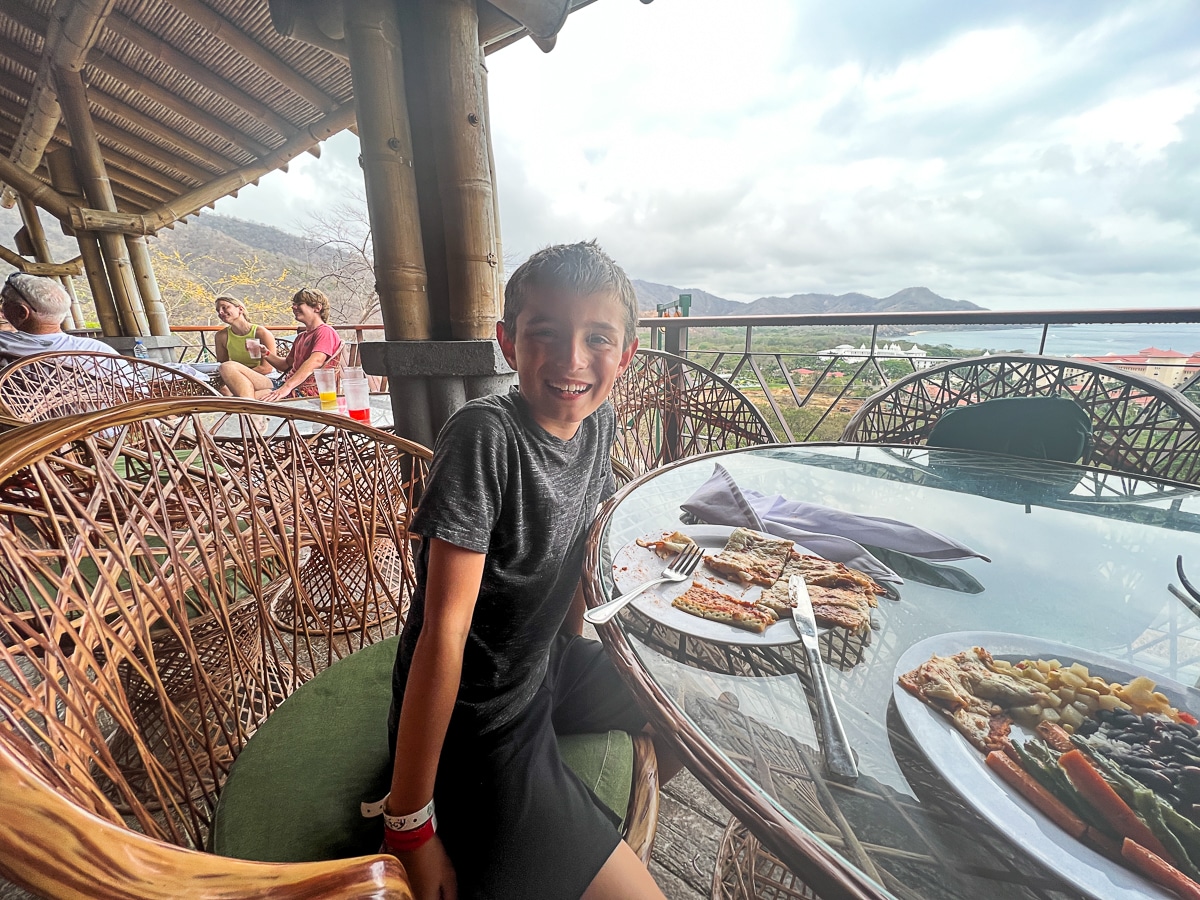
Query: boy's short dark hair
{"x": 582, "y": 268}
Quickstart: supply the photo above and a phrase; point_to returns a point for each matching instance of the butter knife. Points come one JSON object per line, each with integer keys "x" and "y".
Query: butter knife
{"x": 839, "y": 761}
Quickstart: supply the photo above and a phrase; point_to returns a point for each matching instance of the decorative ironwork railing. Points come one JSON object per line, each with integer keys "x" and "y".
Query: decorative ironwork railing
{"x": 809, "y": 389}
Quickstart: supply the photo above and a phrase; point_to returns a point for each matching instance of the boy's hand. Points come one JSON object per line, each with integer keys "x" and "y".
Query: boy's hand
{"x": 430, "y": 871}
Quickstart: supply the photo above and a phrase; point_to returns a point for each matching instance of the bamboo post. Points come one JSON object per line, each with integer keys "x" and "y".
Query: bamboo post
{"x": 143, "y": 271}
{"x": 61, "y": 167}
{"x": 425, "y": 166}
{"x": 88, "y": 159}
{"x": 41, "y": 251}
{"x": 499, "y": 244}
{"x": 377, "y": 66}
{"x": 455, "y": 77}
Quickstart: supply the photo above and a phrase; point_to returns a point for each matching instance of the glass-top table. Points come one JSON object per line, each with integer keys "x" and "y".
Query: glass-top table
{"x": 1078, "y": 557}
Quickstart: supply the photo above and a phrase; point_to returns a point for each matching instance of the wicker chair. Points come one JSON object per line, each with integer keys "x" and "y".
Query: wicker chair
{"x": 49, "y": 385}
{"x": 669, "y": 408}
{"x": 1138, "y": 425}
{"x": 146, "y": 553}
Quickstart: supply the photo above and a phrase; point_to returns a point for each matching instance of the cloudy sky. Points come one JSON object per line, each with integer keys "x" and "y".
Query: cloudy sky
{"x": 1018, "y": 154}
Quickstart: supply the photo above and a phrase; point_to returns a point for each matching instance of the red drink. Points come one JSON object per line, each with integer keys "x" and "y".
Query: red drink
{"x": 361, "y": 415}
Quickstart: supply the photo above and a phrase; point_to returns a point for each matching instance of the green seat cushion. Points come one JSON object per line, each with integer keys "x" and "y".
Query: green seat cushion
{"x": 293, "y": 794}
{"x": 1054, "y": 428}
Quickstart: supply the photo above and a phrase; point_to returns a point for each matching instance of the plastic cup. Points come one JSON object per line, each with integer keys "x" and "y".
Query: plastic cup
{"x": 358, "y": 398}
{"x": 254, "y": 348}
{"x": 327, "y": 388}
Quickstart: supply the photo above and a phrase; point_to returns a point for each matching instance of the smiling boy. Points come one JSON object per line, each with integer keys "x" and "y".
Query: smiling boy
{"x": 491, "y": 663}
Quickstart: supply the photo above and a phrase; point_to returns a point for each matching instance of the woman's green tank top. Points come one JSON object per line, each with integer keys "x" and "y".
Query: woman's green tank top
{"x": 235, "y": 346}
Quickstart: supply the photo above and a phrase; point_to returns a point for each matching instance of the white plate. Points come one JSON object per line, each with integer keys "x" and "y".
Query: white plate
{"x": 964, "y": 769}
{"x": 634, "y": 565}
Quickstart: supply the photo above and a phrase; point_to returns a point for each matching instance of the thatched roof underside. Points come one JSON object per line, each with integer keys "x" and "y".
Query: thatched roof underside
{"x": 184, "y": 91}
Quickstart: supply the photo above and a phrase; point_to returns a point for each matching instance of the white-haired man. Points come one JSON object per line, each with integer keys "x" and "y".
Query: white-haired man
{"x": 36, "y": 307}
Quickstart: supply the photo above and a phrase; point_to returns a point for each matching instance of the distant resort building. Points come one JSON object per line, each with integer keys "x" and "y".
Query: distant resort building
{"x": 884, "y": 351}
{"x": 1169, "y": 367}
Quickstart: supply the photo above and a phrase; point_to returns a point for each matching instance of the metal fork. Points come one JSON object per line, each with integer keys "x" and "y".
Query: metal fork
{"x": 678, "y": 569}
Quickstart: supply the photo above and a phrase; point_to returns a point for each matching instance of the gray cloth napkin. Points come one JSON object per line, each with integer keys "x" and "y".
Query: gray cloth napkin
{"x": 821, "y": 530}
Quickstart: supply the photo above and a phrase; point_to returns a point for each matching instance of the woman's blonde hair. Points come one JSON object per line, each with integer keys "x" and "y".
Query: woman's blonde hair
{"x": 315, "y": 298}
{"x": 234, "y": 300}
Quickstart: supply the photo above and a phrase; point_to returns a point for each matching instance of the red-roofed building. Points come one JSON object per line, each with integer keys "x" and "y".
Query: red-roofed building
{"x": 1169, "y": 367}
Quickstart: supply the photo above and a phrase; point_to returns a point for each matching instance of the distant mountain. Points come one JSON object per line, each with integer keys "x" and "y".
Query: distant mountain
{"x": 913, "y": 299}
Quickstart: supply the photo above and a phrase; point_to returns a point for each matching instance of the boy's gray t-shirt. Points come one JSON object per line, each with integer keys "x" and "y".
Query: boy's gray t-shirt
{"x": 501, "y": 485}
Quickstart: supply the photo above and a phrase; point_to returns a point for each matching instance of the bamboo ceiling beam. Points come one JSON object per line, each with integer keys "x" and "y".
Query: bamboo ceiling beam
{"x": 114, "y": 155}
{"x": 85, "y": 149}
{"x": 177, "y": 143}
{"x": 189, "y": 111}
{"x": 135, "y": 80}
{"x": 232, "y": 36}
{"x": 51, "y": 270}
{"x": 162, "y": 186}
{"x": 41, "y": 252}
{"x": 36, "y": 190}
{"x": 65, "y": 181}
{"x": 192, "y": 202}
{"x": 66, "y": 45}
{"x": 150, "y": 43}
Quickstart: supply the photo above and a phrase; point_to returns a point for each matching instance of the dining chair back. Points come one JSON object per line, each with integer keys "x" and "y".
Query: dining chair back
{"x": 669, "y": 408}
{"x": 162, "y": 592}
{"x": 1137, "y": 425}
{"x": 49, "y": 385}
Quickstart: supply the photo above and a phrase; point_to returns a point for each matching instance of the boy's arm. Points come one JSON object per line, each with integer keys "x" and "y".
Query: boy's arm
{"x": 452, "y": 584}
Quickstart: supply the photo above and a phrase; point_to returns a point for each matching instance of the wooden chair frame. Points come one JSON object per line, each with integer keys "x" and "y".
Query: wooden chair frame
{"x": 1138, "y": 425}
{"x": 669, "y": 408}
{"x": 140, "y": 564}
{"x": 49, "y": 385}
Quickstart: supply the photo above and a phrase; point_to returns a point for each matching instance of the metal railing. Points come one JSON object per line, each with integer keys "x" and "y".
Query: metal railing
{"x": 197, "y": 346}
{"x": 815, "y": 401}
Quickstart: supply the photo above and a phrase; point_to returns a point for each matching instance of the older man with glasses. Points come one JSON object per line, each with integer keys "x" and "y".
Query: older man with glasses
{"x": 36, "y": 307}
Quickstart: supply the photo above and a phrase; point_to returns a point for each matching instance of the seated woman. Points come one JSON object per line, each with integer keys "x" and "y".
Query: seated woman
{"x": 316, "y": 347}
{"x": 231, "y": 342}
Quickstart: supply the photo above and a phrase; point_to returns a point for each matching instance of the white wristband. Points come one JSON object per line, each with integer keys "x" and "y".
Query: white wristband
{"x": 410, "y": 822}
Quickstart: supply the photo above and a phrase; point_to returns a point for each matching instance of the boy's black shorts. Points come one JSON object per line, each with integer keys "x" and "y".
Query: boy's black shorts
{"x": 516, "y": 823}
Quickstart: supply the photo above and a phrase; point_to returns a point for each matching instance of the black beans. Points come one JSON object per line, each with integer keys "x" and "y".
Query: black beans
{"x": 1159, "y": 753}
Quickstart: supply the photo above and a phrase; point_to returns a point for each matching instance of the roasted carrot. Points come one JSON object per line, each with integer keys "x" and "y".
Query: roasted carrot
{"x": 1099, "y": 793}
{"x": 1025, "y": 785}
{"x": 1159, "y": 870}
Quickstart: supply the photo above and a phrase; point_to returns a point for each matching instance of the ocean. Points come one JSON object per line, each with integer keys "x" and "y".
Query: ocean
{"x": 1072, "y": 340}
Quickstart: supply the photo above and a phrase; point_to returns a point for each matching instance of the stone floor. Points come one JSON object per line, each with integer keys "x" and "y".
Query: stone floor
{"x": 690, "y": 823}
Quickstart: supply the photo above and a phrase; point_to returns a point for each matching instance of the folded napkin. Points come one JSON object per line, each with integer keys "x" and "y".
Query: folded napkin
{"x": 821, "y": 530}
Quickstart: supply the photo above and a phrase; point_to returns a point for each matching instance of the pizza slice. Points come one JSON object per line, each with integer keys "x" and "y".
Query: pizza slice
{"x": 751, "y": 557}
{"x": 827, "y": 573}
{"x": 838, "y": 601}
{"x": 703, "y": 601}
{"x": 668, "y": 545}
{"x": 964, "y": 688}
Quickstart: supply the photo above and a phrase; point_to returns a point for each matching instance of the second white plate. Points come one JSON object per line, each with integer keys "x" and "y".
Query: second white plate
{"x": 964, "y": 769}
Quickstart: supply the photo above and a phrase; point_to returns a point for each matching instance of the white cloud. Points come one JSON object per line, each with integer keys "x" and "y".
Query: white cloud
{"x": 1011, "y": 154}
